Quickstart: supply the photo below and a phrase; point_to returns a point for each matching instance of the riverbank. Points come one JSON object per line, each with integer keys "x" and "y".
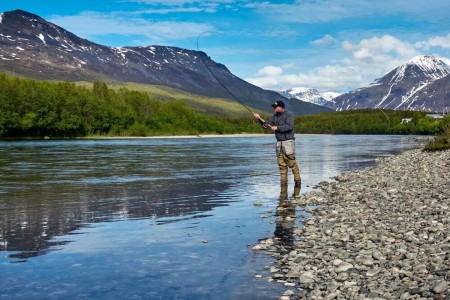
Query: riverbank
{"x": 197, "y": 136}
{"x": 377, "y": 233}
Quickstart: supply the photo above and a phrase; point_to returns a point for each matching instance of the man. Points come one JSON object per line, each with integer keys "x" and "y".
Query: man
{"x": 282, "y": 124}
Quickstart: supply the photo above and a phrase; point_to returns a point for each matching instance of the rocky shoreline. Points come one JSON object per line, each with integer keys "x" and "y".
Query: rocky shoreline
{"x": 376, "y": 233}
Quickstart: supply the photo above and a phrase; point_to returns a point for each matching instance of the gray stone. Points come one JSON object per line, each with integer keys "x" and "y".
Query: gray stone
{"x": 372, "y": 272}
{"x": 344, "y": 266}
{"x": 384, "y": 228}
{"x": 440, "y": 287}
{"x": 307, "y": 277}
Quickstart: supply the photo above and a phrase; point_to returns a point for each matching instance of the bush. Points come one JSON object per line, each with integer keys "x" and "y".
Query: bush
{"x": 441, "y": 141}
{"x": 137, "y": 129}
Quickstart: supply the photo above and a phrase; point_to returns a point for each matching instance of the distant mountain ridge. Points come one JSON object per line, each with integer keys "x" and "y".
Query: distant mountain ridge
{"x": 309, "y": 95}
{"x": 422, "y": 84}
{"x": 32, "y": 47}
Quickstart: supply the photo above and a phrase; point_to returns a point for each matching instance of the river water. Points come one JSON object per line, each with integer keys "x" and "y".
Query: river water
{"x": 154, "y": 218}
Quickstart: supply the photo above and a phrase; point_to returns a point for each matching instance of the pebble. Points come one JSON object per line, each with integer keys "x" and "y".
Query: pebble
{"x": 379, "y": 233}
{"x": 440, "y": 287}
{"x": 343, "y": 267}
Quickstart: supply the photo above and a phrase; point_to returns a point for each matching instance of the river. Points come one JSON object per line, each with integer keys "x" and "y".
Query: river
{"x": 168, "y": 218}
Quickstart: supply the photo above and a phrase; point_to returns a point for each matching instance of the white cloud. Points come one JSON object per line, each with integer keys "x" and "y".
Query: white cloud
{"x": 168, "y": 6}
{"x": 320, "y": 11}
{"x": 303, "y": 12}
{"x": 163, "y": 2}
{"x": 378, "y": 50}
{"x": 270, "y": 71}
{"x": 324, "y": 41}
{"x": 364, "y": 62}
{"x": 93, "y": 24}
{"x": 163, "y": 11}
{"x": 324, "y": 78}
{"x": 435, "y": 42}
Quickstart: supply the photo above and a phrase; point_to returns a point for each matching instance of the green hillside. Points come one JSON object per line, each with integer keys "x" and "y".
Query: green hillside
{"x": 201, "y": 104}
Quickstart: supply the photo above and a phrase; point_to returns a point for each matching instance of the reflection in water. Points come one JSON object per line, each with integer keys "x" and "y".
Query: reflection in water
{"x": 50, "y": 189}
{"x": 129, "y": 216}
{"x": 285, "y": 219}
{"x": 30, "y": 227}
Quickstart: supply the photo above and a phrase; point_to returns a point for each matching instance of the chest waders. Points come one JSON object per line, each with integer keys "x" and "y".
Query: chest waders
{"x": 286, "y": 159}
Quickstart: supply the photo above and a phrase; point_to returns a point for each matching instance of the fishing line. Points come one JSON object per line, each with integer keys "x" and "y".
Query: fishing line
{"x": 215, "y": 77}
{"x": 387, "y": 117}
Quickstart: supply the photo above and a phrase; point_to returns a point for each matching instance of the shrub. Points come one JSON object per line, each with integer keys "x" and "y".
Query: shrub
{"x": 441, "y": 141}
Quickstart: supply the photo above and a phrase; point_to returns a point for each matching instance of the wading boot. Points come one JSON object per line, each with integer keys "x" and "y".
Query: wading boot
{"x": 297, "y": 178}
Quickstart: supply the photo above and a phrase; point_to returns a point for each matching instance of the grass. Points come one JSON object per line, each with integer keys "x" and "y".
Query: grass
{"x": 438, "y": 143}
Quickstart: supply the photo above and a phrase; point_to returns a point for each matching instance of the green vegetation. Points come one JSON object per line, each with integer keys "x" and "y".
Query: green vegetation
{"x": 31, "y": 108}
{"x": 377, "y": 121}
{"x": 369, "y": 121}
{"x": 440, "y": 141}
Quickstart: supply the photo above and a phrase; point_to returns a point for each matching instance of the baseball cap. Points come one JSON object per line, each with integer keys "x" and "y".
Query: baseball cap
{"x": 278, "y": 103}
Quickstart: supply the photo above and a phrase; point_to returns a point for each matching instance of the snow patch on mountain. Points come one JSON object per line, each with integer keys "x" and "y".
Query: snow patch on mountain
{"x": 42, "y": 38}
{"x": 419, "y": 84}
{"x": 309, "y": 95}
{"x": 330, "y": 95}
{"x": 431, "y": 65}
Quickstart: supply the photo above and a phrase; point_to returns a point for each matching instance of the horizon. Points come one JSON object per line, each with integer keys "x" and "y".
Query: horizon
{"x": 335, "y": 46}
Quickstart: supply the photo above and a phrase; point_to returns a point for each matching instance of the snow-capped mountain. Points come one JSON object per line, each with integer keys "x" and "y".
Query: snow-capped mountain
{"x": 422, "y": 84}
{"x": 309, "y": 95}
{"x": 32, "y": 47}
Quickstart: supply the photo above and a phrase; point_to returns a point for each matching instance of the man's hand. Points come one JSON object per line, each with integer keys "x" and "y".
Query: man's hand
{"x": 274, "y": 128}
{"x": 262, "y": 122}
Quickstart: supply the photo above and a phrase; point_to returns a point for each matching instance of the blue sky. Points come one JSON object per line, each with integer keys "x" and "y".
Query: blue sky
{"x": 330, "y": 45}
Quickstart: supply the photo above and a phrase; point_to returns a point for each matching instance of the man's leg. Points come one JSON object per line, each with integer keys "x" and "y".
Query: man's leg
{"x": 292, "y": 163}
{"x": 283, "y": 168}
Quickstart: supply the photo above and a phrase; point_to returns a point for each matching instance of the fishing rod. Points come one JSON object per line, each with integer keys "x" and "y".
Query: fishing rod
{"x": 387, "y": 117}
{"x": 215, "y": 77}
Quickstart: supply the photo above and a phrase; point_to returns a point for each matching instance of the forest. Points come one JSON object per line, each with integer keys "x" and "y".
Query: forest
{"x": 36, "y": 109}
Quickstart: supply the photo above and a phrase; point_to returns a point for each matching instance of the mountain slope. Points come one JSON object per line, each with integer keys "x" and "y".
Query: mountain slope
{"x": 31, "y": 46}
{"x": 420, "y": 84}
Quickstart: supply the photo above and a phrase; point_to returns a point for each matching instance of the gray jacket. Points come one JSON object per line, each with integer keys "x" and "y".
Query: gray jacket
{"x": 285, "y": 124}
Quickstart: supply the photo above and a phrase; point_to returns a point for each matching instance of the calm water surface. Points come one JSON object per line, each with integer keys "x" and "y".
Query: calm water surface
{"x": 154, "y": 218}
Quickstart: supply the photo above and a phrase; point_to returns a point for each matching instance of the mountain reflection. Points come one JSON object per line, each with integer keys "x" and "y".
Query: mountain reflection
{"x": 29, "y": 225}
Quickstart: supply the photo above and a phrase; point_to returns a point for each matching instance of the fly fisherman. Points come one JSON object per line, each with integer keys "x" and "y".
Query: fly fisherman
{"x": 282, "y": 124}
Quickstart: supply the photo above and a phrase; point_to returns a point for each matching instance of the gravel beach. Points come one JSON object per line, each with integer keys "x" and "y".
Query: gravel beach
{"x": 376, "y": 233}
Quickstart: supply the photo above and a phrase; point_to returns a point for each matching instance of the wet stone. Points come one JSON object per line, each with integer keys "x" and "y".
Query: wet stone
{"x": 378, "y": 233}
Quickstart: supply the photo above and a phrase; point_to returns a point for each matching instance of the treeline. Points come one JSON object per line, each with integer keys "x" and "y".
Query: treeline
{"x": 31, "y": 108}
{"x": 371, "y": 121}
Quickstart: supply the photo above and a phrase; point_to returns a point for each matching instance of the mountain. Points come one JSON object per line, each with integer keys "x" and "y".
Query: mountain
{"x": 30, "y": 46}
{"x": 309, "y": 95}
{"x": 420, "y": 84}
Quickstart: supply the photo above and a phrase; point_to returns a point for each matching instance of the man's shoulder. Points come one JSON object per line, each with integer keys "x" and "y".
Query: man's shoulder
{"x": 288, "y": 112}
